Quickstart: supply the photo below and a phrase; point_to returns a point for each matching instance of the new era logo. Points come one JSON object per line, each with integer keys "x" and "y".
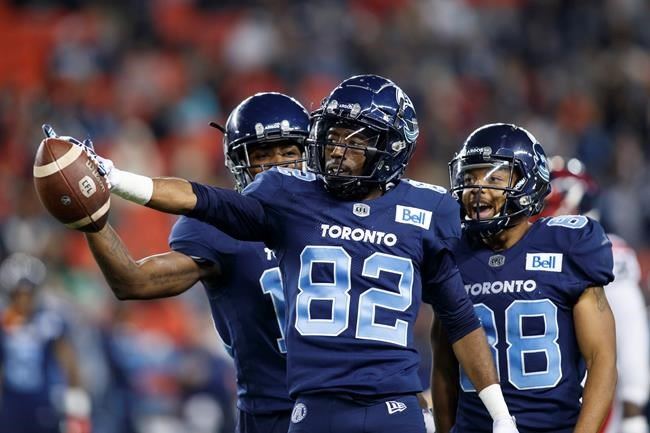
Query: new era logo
{"x": 548, "y": 262}
{"x": 395, "y": 406}
{"x": 413, "y": 215}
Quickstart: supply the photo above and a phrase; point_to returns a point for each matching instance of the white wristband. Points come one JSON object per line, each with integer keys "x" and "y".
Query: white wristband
{"x": 131, "y": 186}
{"x": 76, "y": 402}
{"x": 492, "y": 398}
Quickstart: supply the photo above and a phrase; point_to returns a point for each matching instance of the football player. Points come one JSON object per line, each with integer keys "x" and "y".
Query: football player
{"x": 537, "y": 288}
{"x": 34, "y": 344}
{"x": 358, "y": 249}
{"x": 575, "y": 192}
{"x": 241, "y": 279}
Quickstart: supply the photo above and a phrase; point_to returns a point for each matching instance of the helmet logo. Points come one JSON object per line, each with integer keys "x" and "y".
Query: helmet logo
{"x": 540, "y": 161}
{"x": 285, "y": 127}
{"x": 398, "y": 146}
{"x": 259, "y": 130}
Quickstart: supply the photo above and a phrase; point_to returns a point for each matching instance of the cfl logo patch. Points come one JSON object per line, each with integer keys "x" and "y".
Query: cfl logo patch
{"x": 395, "y": 406}
{"x": 413, "y": 215}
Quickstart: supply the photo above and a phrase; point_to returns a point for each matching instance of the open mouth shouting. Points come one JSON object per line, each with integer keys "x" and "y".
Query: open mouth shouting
{"x": 481, "y": 210}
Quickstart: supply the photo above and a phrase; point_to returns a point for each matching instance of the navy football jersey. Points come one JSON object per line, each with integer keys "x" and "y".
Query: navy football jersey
{"x": 30, "y": 372}
{"x": 524, "y": 297}
{"x": 247, "y": 303}
{"x": 27, "y": 354}
{"x": 353, "y": 274}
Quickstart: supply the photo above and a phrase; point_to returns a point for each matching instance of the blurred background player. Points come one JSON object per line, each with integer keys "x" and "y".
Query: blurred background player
{"x": 355, "y": 246}
{"x": 574, "y": 192}
{"x": 241, "y": 279}
{"x": 537, "y": 288}
{"x": 40, "y": 385}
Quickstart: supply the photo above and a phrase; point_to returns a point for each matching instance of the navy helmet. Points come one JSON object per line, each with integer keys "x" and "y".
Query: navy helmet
{"x": 502, "y": 146}
{"x": 379, "y": 112}
{"x": 262, "y": 119}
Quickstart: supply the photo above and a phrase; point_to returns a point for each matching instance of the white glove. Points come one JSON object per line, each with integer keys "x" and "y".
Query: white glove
{"x": 634, "y": 424}
{"x": 429, "y": 424}
{"x": 129, "y": 186}
{"x": 505, "y": 425}
{"x": 105, "y": 166}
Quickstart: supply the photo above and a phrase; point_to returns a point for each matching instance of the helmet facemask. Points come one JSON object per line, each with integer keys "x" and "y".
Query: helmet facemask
{"x": 334, "y": 148}
{"x": 238, "y": 159}
{"x": 501, "y": 174}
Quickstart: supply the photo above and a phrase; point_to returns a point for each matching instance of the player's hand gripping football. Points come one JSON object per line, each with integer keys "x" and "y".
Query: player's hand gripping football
{"x": 105, "y": 166}
{"x": 129, "y": 186}
{"x": 505, "y": 425}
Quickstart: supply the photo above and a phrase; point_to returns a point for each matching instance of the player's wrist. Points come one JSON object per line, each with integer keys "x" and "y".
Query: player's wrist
{"x": 493, "y": 400}
{"x": 634, "y": 424}
{"x": 130, "y": 186}
{"x": 429, "y": 423}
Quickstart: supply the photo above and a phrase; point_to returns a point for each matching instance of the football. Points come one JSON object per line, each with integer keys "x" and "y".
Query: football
{"x": 69, "y": 185}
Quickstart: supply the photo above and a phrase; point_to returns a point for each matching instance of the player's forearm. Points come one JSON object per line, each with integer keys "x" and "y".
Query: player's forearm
{"x": 152, "y": 277}
{"x": 595, "y": 333}
{"x": 444, "y": 380}
{"x": 67, "y": 360}
{"x": 598, "y": 393}
{"x": 172, "y": 195}
{"x": 473, "y": 354}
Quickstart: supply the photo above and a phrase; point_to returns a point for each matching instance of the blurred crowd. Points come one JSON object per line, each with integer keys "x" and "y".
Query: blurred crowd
{"x": 143, "y": 78}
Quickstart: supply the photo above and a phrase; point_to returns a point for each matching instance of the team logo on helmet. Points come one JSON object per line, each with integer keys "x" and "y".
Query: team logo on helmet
{"x": 540, "y": 160}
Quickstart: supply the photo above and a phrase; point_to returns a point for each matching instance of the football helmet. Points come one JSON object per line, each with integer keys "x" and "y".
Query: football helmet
{"x": 508, "y": 147}
{"x": 573, "y": 192}
{"x": 21, "y": 271}
{"x": 381, "y": 122}
{"x": 262, "y": 119}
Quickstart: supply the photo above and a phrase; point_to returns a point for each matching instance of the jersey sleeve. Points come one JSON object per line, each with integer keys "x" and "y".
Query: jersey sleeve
{"x": 243, "y": 216}
{"x": 590, "y": 255}
{"x": 442, "y": 284}
{"x": 201, "y": 241}
{"x": 442, "y": 238}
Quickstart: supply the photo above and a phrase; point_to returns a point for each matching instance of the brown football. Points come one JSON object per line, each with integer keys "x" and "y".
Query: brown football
{"x": 69, "y": 185}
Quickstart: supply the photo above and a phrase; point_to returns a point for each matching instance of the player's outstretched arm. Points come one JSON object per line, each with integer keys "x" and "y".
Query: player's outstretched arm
{"x": 595, "y": 332}
{"x": 444, "y": 379}
{"x": 158, "y": 276}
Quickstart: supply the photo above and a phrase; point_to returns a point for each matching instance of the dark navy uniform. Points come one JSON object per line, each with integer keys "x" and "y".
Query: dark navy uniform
{"x": 247, "y": 302}
{"x": 355, "y": 274}
{"x": 524, "y": 297}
